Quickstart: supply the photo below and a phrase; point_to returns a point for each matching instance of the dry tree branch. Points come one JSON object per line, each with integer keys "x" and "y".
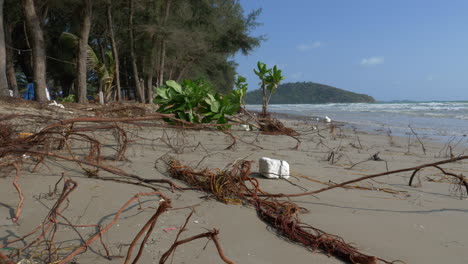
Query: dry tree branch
{"x": 20, "y": 194}
{"x": 149, "y": 226}
{"x": 417, "y": 137}
{"x": 83, "y": 247}
{"x": 378, "y": 175}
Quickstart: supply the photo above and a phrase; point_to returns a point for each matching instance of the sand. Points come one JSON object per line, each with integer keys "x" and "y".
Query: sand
{"x": 424, "y": 224}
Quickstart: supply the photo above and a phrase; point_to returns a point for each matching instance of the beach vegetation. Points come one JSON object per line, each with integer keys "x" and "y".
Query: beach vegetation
{"x": 196, "y": 101}
{"x": 150, "y": 42}
{"x": 269, "y": 81}
{"x": 69, "y": 99}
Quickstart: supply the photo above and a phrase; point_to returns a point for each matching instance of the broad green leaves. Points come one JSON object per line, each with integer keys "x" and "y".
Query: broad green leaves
{"x": 269, "y": 80}
{"x": 174, "y": 85}
{"x": 242, "y": 87}
{"x": 197, "y": 102}
{"x": 273, "y": 79}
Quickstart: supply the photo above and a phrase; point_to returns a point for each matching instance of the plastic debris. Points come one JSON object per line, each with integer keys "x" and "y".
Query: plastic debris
{"x": 245, "y": 127}
{"x": 56, "y": 104}
{"x": 274, "y": 169}
{"x": 170, "y": 229}
{"x": 47, "y": 94}
{"x": 24, "y": 134}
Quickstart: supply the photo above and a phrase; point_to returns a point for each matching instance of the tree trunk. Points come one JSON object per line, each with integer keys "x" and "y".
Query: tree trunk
{"x": 264, "y": 101}
{"x": 81, "y": 69}
{"x": 149, "y": 87}
{"x": 38, "y": 49}
{"x": 140, "y": 93}
{"x": 163, "y": 45}
{"x": 162, "y": 62}
{"x": 115, "y": 52}
{"x": 151, "y": 62}
{"x": 10, "y": 67}
{"x": 3, "y": 76}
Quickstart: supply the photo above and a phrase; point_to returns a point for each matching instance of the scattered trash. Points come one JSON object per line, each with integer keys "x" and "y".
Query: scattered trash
{"x": 56, "y": 104}
{"x": 11, "y": 93}
{"x": 24, "y": 134}
{"x": 47, "y": 94}
{"x": 170, "y": 229}
{"x": 274, "y": 169}
{"x": 245, "y": 127}
{"x": 327, "y": 119}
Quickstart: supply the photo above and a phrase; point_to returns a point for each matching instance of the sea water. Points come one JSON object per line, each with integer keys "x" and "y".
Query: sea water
{"x": 436, "y": 120}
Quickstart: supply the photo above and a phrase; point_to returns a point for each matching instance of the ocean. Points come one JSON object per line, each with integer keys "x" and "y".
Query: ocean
{"x": 440, "y": 121}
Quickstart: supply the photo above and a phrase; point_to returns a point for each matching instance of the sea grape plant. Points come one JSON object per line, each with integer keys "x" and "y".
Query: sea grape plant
{"x": 269, "y": 81}
{"x": 242, "y": 86}
{"x": 197, "y": 102}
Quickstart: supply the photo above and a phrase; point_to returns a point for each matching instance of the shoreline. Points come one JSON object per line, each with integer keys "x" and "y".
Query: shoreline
{"x": 408, "y": 131}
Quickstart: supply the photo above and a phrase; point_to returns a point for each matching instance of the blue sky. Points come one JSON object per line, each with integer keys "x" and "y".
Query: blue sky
{"x": 389, "y": 49}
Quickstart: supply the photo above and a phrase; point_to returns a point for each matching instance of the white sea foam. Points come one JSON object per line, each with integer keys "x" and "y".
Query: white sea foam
{"x": 431, "y": 118}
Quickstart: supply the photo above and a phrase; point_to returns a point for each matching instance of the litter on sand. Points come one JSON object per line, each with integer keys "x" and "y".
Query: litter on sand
{"x": 273, "y": 168}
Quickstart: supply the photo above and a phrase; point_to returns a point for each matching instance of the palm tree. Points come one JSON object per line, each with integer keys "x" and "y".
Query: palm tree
{"x": 104, "y": 69}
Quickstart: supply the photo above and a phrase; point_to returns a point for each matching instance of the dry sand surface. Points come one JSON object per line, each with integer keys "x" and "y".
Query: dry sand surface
{"x": 424, "y": 224}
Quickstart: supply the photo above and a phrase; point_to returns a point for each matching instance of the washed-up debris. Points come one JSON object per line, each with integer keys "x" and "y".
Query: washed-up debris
{"x": 235, "y": 186}
{"x": 273, "y": 168}
{"x": 54, "y": 103}
{"x": 245, "y": 127}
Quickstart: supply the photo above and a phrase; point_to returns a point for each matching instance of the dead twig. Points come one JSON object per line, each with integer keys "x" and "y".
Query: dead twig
{"x": 417, "y": 137}
{"x": 83, "y": 247}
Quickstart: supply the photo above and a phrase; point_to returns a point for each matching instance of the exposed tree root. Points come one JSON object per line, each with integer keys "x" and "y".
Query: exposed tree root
{"x": 232, "y": 186}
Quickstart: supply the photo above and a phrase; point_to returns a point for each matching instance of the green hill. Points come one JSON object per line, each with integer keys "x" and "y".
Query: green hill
{"x": 308, "y": 93}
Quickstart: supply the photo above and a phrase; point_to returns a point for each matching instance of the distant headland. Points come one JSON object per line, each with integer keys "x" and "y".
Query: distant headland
{"x": 309, "y": 93}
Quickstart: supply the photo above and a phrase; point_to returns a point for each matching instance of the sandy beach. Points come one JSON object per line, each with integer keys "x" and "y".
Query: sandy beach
{"x": 388, "y": 219}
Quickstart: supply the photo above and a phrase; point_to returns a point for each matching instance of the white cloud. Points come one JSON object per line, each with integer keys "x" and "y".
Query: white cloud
{"x": 304, "y": 47}
{"x": 372, "y": 61}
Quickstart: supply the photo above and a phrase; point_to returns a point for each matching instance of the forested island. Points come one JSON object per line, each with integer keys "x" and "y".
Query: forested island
{"x": 308, "y": 93}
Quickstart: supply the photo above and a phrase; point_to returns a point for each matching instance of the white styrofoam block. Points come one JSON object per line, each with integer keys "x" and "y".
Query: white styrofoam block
{"x": 273, "y": 168}
{"x": 245, "y": 127}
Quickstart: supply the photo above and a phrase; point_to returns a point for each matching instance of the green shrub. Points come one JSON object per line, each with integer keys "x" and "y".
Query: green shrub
{"x": 68, "y": 99}
{"x": 197, "y": 102}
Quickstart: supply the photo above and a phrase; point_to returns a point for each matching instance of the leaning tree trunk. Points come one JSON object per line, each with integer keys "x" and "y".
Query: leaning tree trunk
{"x": 115, "y": 52}
{"x": 81, "y": 68}
{"x": 3, "y": 75}
{"x": 10, "y": 67}
{"x": 163, "y": 45}
{"x": 38, "y": 49}
{"x": 140, "y": 93}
